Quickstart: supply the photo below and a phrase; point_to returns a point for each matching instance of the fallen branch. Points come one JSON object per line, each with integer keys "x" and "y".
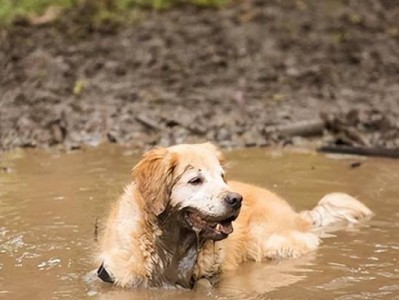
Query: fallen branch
{"x": 376, "y": 152}
{"x": 147, "y": 122}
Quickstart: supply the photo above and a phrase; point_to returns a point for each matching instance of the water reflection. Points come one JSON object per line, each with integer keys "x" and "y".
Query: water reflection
{"x": 49, "y": 203}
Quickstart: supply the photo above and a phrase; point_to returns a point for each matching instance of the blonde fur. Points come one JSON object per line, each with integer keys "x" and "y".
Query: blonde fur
{"x": 266, "y": 228}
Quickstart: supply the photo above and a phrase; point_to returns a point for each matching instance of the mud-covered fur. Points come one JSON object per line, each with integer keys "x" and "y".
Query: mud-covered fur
{"x": 174, "y": 223}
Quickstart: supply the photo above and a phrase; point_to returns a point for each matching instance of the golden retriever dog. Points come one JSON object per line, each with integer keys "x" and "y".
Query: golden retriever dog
{"x": 179, "y": 221}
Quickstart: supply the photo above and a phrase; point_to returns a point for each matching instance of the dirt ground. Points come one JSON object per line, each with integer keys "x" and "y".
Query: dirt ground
{"x": 256, "y": 73}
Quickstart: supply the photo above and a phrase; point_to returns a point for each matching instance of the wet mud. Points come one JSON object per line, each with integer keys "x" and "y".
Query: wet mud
{"x": 236, "y": 76}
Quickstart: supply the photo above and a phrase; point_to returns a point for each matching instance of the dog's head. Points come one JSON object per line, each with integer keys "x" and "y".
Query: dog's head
{"x": 190, "y": 180}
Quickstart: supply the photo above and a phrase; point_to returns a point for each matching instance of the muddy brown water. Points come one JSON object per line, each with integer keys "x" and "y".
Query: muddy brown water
{"x": 49, "y": 203}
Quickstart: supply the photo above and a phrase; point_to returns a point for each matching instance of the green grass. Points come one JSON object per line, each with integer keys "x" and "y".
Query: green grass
{"x": 13, "y": 9}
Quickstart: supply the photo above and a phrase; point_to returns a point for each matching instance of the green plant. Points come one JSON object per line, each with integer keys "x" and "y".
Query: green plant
{"x": 106, "y": 9}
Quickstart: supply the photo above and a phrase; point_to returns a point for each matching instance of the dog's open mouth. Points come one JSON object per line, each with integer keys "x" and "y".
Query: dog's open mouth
{"x": 210, "y": 227}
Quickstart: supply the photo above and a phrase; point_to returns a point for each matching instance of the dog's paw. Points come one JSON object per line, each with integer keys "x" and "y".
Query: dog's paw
{"x": 292, "y": 244}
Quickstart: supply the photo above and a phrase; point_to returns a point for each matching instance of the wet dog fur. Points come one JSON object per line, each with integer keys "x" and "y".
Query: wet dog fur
{"x": 174, "y": 223}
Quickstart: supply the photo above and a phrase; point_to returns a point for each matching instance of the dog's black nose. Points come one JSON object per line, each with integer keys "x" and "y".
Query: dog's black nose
{"x": 234, "y": 200}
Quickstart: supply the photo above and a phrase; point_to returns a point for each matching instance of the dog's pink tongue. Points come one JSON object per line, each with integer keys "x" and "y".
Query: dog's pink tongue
{"x": 225, "y": 227}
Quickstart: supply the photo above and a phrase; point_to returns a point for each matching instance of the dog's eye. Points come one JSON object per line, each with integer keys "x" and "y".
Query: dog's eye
{"x": 195, "y": 181}
{"x": 224, "y": 179}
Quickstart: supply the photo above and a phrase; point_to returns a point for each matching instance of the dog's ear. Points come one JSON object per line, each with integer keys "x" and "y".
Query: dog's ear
{"x": 214, "y": 149}
{"x": 153, "y": 176}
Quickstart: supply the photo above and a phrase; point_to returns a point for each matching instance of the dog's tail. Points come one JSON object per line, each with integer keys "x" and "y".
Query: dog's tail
{"x": 336, "y": 210}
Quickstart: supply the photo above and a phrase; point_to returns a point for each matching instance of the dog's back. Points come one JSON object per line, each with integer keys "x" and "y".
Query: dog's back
{"x": 269, "y": 228}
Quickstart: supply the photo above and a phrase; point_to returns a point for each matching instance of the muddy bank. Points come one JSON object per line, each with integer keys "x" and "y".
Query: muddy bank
{"x": 234, "y": 76}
